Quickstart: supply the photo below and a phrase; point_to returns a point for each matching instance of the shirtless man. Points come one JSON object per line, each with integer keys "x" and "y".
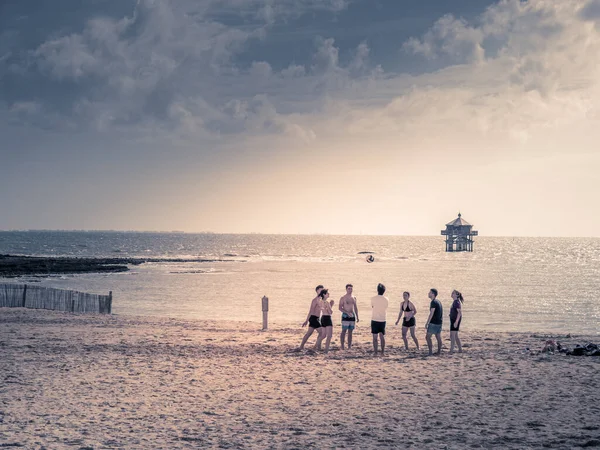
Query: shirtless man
{"x": 349, "y": 315}
{"x": 314, "y": 313}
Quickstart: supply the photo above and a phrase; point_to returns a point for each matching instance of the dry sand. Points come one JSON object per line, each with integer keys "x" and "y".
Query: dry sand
{"x": 89, "y": 381}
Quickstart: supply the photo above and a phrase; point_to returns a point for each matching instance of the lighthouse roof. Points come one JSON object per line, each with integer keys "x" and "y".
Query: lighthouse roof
{"x": 459, "y": 222}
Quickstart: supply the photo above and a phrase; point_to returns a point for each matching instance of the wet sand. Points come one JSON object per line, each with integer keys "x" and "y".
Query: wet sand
{"x": 91, "y": 381}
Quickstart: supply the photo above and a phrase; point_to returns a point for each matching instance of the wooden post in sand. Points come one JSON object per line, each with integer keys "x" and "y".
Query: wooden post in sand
{"x": 24, "y": 295}
{"x": 265, "y": 310}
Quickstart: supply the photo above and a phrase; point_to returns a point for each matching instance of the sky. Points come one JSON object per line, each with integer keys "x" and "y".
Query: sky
{"x": 300, "y": 116}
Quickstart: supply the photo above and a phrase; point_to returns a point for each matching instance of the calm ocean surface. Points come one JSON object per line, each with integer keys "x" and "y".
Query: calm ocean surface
{"x": 509, "y": 284}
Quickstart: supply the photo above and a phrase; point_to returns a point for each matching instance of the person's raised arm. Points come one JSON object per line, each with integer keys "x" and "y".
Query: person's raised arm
{"x": 355, "y": 309}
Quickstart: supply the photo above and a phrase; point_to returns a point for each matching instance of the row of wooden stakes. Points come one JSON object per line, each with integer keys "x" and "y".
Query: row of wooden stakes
{"x": 39, "y": 297}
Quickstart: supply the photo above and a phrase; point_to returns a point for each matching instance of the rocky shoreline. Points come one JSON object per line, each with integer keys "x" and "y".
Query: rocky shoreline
{"x": 12, "y": 266}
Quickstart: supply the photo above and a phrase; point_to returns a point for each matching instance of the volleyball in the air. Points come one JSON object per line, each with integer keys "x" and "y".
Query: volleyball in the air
{"x": 370, "y": 258}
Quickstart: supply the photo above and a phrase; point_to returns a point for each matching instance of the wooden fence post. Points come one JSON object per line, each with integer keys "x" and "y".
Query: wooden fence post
{"x": 265, "y": 309}
{"x": 24, "y": 294}
{"x": 109, "y": 302}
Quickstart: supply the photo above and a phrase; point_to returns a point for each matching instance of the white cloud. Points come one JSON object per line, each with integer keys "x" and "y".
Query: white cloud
{"x": 261, "y": 69}
{"x": 258, "y": 115}
{"x": 361, "y": 58}
{"x": 452, "y": 37}
{"x": 149, "y": 67}
{"x": 518, "y": 68}
{"x": 293, "y": 71}
{"x": 132, "y": 66}
{"x": 67, "y": 57}
{"x": 327, "y": 56}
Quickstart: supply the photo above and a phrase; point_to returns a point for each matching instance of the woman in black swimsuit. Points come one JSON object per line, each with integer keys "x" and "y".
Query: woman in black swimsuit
{"x": 326, "y": 322}
{"x": 455, "y": 319}
{"x": 408, "y": 323}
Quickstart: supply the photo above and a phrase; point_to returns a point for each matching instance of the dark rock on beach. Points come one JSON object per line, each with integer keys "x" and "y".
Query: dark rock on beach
{"x": 585, "y": 350}
{"x": 16, "y": 266}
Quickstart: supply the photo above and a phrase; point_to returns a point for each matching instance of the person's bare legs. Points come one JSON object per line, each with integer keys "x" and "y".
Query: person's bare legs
{"x": 328, "y": 335}
{"x": 306, "y": 336}
{"x": 382, "y": 337}
{"x": 349, "y": 339}
{"x": 404, "y": 331}
{"x": 414, "y": 336}
{"x": 458, "y": 343}
{"x": 320, "y": 337}
{"x": 375, "y": 344}
{"x": 452, "y": 340}
{"x": 439, "y": 342}
{"x": 343, "y": 336}
{"x": 429, "y": 343}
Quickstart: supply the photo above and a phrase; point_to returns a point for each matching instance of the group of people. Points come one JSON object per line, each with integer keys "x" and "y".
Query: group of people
{"x": 321, "y": 310}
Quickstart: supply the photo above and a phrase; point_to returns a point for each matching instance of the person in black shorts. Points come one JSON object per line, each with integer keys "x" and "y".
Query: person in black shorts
{"x": 326, "y": 322}
{"x": 455, "y": 319}
{"x": 379, "y": 303}
{"x": 312, "y": 320}
{"x": 408, "y": 323}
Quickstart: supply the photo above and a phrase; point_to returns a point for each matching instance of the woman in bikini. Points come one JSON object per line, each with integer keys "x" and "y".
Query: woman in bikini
{"x": 326, "y": 322}
{"x": 408, "y": 323}
{"x": 455, "y": 319}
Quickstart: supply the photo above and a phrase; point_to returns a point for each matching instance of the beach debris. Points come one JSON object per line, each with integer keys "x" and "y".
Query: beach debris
{"x": 549, "y": 347}
{"x": 589, "y": 349}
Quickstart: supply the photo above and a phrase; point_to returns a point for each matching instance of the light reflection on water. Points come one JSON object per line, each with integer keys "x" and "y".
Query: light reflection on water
{"x": 509, "y": 284}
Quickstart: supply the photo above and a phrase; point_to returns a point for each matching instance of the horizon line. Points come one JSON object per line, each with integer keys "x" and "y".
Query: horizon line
{"x": 58, "y": 230}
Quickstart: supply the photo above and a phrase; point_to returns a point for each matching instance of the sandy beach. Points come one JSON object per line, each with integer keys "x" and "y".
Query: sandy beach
{"x": 99, "y": 382}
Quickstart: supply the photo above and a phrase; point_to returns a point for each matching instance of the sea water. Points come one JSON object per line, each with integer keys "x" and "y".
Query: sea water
{"x": 509, "y": 284}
